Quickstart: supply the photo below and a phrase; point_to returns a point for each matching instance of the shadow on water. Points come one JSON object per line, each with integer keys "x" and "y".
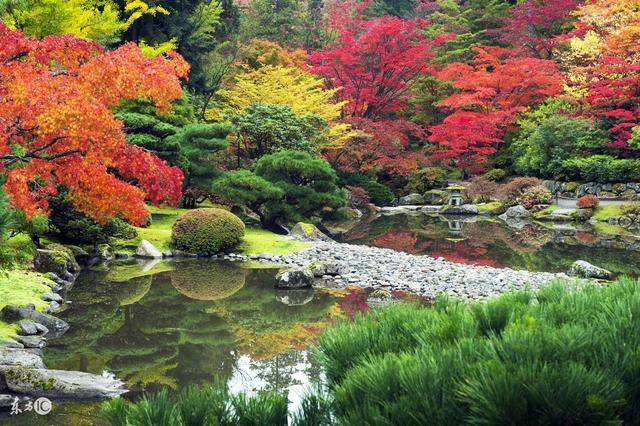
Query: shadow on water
{"x": 483, "y": 241}
{"x": 189, "y": 322}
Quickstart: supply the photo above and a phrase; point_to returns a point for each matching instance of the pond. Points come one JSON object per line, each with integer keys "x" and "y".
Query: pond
{"x": 183, "y": 323}
{"x": 488, "y": 241}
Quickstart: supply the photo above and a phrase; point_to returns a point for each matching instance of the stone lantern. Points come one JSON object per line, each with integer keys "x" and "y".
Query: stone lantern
{"x": 455, "y": 197}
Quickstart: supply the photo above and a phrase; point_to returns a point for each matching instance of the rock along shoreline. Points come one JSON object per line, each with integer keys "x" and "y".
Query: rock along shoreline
{"x": 380, "y": 268}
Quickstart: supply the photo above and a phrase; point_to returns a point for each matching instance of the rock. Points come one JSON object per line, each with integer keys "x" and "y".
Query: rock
{"x": 53, "y": 308}
{"x": 583, "y": 269}
{"x": 104, "y": 252}
{"x": 411, "y": 200}
{"x": 60, "y": 384}
{"x": 436, "y": 197}
{"x": 21, "y": 357}
{"x": 465, "y": 209}
{"x": 11, "y": 313}
{"x": 308, "y": 231}
{"x": 4, "y": 344}
{"x": 515, "y": 212}
{"x": 294, "y": 278}
{"x": 582, "y": 215}
{"x": 60, "y": 262}
{"x": 52, "y": 297}
{"x": 27, "y": 328}
{"x": 38, "y": 342}
{"x": 147, "y": 250}
{"x": 294, "y": 297}
{"x": 79, "y": 253}
{"x": 331, "y": 269}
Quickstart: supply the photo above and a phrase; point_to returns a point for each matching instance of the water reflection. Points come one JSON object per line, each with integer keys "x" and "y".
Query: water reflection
{"x": 483, "y": 241}
{"x": 192, "y": 321}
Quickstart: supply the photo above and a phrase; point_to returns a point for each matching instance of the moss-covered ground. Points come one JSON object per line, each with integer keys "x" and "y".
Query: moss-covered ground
{"x": 158, "y": 233}
{"x": 604, "y": 213}
{"x": 21, "y": 288}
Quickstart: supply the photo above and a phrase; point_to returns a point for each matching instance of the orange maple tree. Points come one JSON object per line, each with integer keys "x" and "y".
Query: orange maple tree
{"x": 57, "y": 126}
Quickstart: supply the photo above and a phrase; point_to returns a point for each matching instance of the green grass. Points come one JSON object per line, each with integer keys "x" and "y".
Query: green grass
{"x": 256, "y": 241}
{"x": 546, "y": 212}
{"x": 604, "y": 213}
{"x": 21, "y": 288}
{"x": 260, "y": 241}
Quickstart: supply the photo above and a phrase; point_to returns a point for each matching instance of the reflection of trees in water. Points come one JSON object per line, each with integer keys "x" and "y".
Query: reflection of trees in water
{"x": 151, "y": 335}
{"x": 492, "y": 243}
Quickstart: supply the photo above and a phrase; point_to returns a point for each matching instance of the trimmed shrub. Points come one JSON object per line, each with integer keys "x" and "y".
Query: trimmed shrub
{"x": 495, "y": 175}
{"x": 207, "y": 231}
{"x": 511, "y": 191}
{"x": 588, "y": 202}
{"x": 603, "y": 168}
{"x": 480, "y": 190}
{"x": 426, "y": 179}
{"x": 535, "y": 195}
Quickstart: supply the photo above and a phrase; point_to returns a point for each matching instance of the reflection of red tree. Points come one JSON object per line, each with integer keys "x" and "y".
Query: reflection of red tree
{"x": 398, "y": 240}
{"x": 586, "y": 237}
{"x": 467, "y": 252}
{"x": 354, "y": 302}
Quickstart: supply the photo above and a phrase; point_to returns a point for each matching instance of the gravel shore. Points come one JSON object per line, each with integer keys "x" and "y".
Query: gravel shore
{"x": 423, "y": 275}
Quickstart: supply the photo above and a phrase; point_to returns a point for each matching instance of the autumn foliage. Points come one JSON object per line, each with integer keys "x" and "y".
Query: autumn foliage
{"x": 373, "y": 63}
{"x": 490, "y": 92}
{"x": 57, "y": 127}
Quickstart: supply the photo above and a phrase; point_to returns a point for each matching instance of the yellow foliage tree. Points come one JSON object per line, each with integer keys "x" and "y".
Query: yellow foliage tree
{"x": 304, "y": 93}
{"x": 97, "y": 20}
{"x": 614, "y": 29}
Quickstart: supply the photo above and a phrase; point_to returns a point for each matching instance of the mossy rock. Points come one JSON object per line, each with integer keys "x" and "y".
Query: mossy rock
{"x": 571, "y": 186}
{"x": 436, "y": 197}
{"x": 208, "y": 280}
{"x": 58, "y": 261}
{"x": 308, "y": 231}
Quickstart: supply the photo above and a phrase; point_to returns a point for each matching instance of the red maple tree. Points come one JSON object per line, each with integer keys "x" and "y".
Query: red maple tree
{"x": 374, "y": 63}
{"x": 57, "y": 128}
{"x": 537, "y": 25}
{"x": 491, "y": 91}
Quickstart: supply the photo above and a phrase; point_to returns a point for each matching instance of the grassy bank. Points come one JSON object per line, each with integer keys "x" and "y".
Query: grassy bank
{"x": 256, "y": 240}
{"x": 21, "y": 288}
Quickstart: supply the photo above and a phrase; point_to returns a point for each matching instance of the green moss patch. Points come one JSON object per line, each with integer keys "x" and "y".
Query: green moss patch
{"x": 604, "y": 213}
{"x": 21, "y": 288}
{"x": 260, "y": 241}
{"x": 493, "y": 208}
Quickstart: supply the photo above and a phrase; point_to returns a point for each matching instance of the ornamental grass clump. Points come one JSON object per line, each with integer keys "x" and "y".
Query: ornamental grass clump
{"x": 566, "y": 355}
{"x": 207, "y": 231}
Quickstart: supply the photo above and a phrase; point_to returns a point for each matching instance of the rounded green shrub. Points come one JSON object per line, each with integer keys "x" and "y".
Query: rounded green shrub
{"x": 207, "y": 231}
{"x": 495, "y": 175}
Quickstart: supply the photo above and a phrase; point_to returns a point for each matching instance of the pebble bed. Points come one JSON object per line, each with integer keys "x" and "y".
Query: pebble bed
{"x": 373, "y": 267}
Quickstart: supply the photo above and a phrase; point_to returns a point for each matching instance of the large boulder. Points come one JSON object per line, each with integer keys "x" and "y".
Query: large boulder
{"x": 326, "y": 268}
{"x": 308, "y": 231}
{"x": 146, "y": 250}
{"x": 60, "y": 262}
{"x": 516, "y": 212}
{"x": 436, "y": 197}
{"x": 11, "y": 313}
{"x": 294, "y": 278}
{"x": 463, "y": 210}
{"x": 583, "y": 269}
{"x": 411, "y": 200}
{"x": 21, "y": 357}
{"x": 60, "y": 384}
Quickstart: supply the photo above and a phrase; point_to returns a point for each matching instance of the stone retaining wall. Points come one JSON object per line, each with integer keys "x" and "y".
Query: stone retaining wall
{"x": 626, "y": 191}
